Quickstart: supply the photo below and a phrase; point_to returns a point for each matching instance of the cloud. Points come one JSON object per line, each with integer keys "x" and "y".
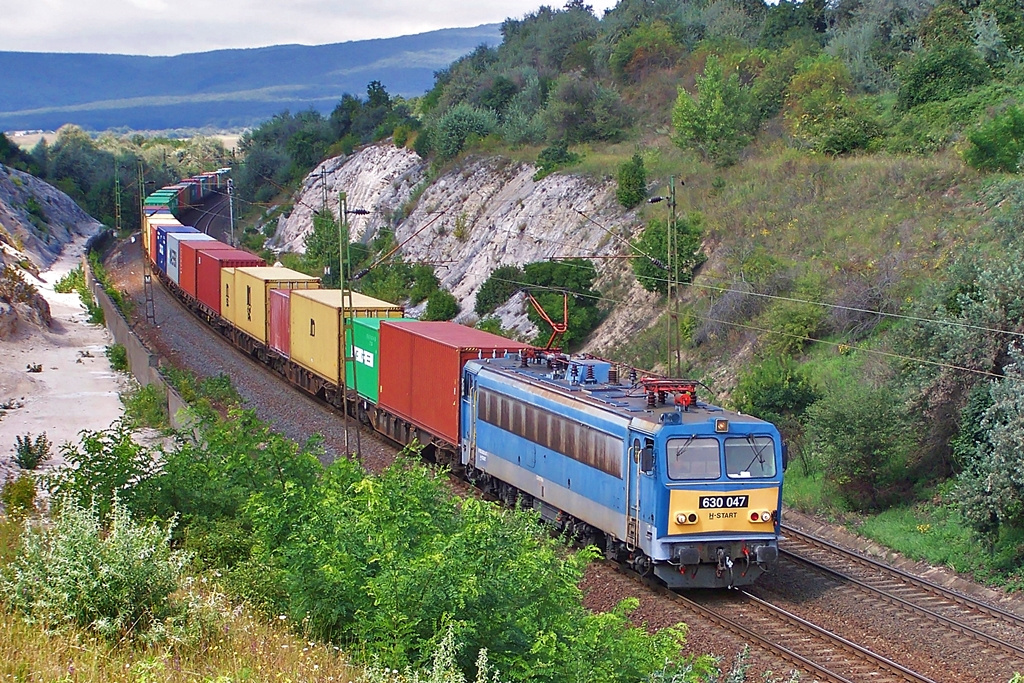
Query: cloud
{"x": 162, "y": 27}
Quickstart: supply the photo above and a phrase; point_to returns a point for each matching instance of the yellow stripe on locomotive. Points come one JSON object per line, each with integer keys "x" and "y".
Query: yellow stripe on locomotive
{"x": 744, "y": 511}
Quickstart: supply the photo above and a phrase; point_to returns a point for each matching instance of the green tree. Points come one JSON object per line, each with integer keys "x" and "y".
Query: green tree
{"x": 632, "y": 186}
{"x": 499, "y": 287}
{"x": 998, "y": 144}
{"x": 991, "y": 487}
{"x": 863, "y": 438}
{"x": 718, "y": 122}
{"x": 939, "y": 74}
{"x": 441, "y": 305}
{"x": 650, "y": 262}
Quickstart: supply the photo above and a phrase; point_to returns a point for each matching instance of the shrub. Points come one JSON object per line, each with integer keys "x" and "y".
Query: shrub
{"x": 580, "y": 109}
{"x": 500, "y": 286}
{"x": 553, "y": 157}
{"x": 651, "y": 264}
{"x": 862, "y": 437}
{"x": 145, "y": 407}
{"x": 458, "y": 126}
{"x": 116, "y": 581}
{"x": 793, "y": 324}
{"x": 108, "y": 464}
{"x": 939, "y": 74}
{"x": 118, "y": 357}
{"x": 29, "y": 453}
{"x": 718, "y": 123}
{"x": 998, "y": 144}
{"x": 647, "y": 47}
{"x": 441, "y": 305}
{"x": 18, "y": 497}
{"x": 632, "y": 185}
{"x": 71, "y": 281}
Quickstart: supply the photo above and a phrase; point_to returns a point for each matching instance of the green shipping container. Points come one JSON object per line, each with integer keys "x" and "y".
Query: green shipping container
{"x": 367, "y": 355}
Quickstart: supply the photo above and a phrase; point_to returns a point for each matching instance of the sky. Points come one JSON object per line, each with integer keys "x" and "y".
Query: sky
{"x": 171, "y": 27}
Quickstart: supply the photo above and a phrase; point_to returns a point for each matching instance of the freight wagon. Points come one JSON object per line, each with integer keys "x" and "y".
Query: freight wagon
{"x": 666, "y": 483}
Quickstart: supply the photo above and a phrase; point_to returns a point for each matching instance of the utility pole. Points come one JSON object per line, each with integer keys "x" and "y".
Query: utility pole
{"x": 117, "y": 196}
{"x": 348, "y": 333}
{"x": 231, "y": 209}
{"x": 147, "y": 275}
{"x": 672, "y": 340}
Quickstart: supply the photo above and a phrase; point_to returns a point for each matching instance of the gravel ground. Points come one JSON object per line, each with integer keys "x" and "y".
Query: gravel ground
{"x": 182, "y": 340}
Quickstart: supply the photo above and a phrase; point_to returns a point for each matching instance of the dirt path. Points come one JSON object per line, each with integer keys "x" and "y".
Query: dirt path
{"x": 76, "y": 389}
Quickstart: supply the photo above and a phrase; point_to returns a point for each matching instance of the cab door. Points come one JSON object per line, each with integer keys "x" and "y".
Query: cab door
{"x": 639, "y": 473}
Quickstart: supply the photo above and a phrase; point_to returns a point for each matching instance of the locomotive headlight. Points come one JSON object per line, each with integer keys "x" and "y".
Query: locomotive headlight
{"x": 686, "y": 518}
{"x": 758, "y": 516}
{"x": 721, "y": 425}
{"x": 766, "y": 516}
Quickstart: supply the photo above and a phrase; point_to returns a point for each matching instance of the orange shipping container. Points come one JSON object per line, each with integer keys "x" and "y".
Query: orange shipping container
{"x": 421, "y": 370}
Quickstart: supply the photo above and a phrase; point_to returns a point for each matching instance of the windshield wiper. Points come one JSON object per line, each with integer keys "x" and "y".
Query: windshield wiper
{"x": 757, "y": 453}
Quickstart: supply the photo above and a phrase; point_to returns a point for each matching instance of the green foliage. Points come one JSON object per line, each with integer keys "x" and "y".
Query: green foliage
{"x": 576, "y": 278}
{"x": 499, "y": 287}
{"x": 940, "y": 74}
{"x": 990, "y": 491}
{"x": 214, "y": 477}
{"x": 553, "y": 157}
{"x": 29, "y": 452}
{"x": 648, "y": 47}
{"x": 820, "y": 112}
{"x": 459, "y": 127}
{"x": 13, "y": 287}
{"x": 441, "y": 305}
{"x": 117, "y": 354}
{"x": 793, "y": 324}
{"x": 145, "y": 407}
{"x": 863, "y": 439}
{"x": 777, "y": 391}
{"x": 116, "y": 581}
{"x": 425, "y": 283}
{"x": 71, "y": 281}
{"x": 718, "y": 123}
{"x": 773, "y": 389}
{"x": 107, "y": 465}
{"x": 998, "y": 144}
{"x": 581, "y": 108}
{"x": 632, "y": 182}
{"x": 392, "y": 561}
{"x": 216, "y": 390}
{"x": 651, "y": 263}
{"x": 18, "y": 496}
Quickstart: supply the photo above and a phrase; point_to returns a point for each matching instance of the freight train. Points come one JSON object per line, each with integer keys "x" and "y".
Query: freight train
{"x": 639, "y": 465}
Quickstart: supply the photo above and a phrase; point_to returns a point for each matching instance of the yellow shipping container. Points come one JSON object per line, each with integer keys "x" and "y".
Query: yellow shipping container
{"x": 252, "y": 293}
{"x": 227, "y": 292}
{"x": 316, "y": 325}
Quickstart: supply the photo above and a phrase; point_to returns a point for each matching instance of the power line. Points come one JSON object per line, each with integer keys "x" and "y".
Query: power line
{"x": 887, "y": 354}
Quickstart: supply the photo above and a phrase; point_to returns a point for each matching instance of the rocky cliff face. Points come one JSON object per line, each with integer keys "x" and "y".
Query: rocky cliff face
{"x": 480, "y": 215}
{"x": 37, "y": 220}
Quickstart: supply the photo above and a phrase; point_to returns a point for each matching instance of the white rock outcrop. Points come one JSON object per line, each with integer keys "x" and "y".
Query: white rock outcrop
{"x": 485, "y": 213}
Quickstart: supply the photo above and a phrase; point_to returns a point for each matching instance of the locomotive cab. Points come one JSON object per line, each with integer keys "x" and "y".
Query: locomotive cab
{"x": 672, "y": 486}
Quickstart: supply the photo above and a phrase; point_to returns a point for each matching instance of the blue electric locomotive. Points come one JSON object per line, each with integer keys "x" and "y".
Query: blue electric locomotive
{"x": 672, "y": 485}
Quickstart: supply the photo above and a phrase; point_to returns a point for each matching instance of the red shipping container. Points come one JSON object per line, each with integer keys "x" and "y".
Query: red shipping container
{"x": 421, "y": 370}
{"x": 279, "y": 321}
{"x": 208, "y": 265}
{"x": 188, "y": 251}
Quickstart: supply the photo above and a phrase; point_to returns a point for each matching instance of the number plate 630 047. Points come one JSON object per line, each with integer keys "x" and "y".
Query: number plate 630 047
{"x": 716, "y": 502}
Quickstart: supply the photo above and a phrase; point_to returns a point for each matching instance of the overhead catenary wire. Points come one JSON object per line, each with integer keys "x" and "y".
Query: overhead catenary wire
{"x": 853, "y": 347}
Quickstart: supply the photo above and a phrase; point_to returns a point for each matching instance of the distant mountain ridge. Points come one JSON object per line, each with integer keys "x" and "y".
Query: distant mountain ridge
{"x": 219, "y": 89}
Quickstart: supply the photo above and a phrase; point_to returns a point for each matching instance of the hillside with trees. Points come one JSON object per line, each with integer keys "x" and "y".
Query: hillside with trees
{"x": 847, "y": 237}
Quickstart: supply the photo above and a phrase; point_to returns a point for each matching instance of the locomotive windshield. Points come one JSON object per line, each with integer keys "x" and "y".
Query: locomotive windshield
{"x": 694, "y": 458}
{"x": 751, "y": 457}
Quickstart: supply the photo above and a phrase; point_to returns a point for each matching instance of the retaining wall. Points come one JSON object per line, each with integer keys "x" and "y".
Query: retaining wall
{"x": 143, "y": 365}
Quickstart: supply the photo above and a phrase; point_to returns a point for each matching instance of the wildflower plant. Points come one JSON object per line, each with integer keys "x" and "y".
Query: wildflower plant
{"x": 115, "y": 580}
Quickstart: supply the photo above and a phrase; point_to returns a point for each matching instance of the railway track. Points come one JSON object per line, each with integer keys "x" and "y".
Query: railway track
{"x": 999, "y": 632}
{"x": 807, "y": 647}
